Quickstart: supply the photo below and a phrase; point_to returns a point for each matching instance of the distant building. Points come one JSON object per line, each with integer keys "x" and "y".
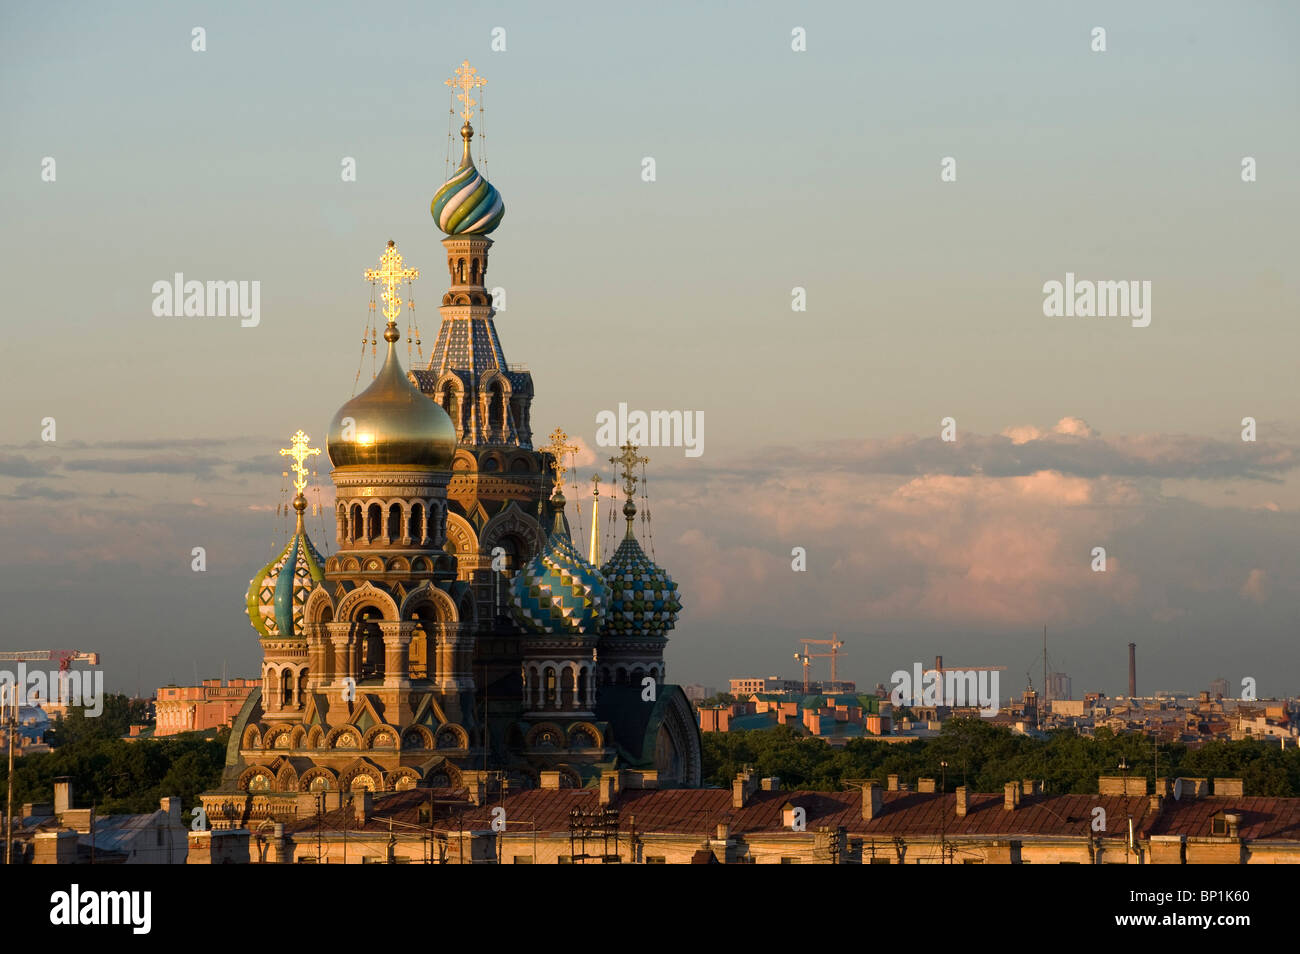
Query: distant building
{"x": 695, "y": 693}
{"x": 1058, "y": 686}
{"x": 199, "y": 708}
{"x": 747, "y": 686}
{"x": 1219, "y": 688}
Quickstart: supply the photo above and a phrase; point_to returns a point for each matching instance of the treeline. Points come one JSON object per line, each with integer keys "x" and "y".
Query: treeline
{"x": 984, "y": 757}
{"x": 115, "y": 776}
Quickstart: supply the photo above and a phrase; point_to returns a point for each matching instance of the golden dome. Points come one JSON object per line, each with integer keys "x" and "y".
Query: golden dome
{"x": 391, "y": 424}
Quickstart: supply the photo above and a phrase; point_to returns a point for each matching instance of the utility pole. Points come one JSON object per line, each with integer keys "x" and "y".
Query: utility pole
{"x": 9, "y": 807}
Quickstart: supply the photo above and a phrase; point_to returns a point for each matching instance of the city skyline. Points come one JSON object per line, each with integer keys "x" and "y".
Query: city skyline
{"x": 776, "y": 170}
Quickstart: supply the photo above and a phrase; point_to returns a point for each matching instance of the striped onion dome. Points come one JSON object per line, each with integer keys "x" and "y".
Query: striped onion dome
{"x": 277, "y": 595}
{"x": 642, "y": 596}
{"x": 467, "y": 204}
{"x": 558, "y": 592}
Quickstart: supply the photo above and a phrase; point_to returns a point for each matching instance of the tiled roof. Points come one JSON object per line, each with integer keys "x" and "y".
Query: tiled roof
{"x": 700, "y": 811}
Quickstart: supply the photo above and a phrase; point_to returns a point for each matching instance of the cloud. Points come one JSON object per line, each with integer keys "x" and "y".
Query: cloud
{"x": 29, "y": 490}
{"x": 1256, "y": 586}
{"x": 199, "y": 466}
{"x": 16, "y": 465}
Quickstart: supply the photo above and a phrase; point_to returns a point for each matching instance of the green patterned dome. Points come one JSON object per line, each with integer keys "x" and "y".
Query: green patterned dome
{"x": 277, "y": 595}
{"x": 558, "y": 592}
{"x": 642, "y": 596}
{"x": 467, "y": 204}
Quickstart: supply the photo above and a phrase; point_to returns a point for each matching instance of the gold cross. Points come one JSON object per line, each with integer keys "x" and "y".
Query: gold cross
{"x": 557, "y": 448}
{"x": 629, "y": 460}
{"x": 391, "y": 273}
{"x": 466, "y": 79}
{"x": 299, "y": 452}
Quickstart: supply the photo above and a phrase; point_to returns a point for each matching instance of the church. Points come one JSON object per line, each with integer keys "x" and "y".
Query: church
{"x": 456, "y": 635}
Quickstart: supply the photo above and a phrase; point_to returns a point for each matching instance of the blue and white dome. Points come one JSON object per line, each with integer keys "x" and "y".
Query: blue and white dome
{"x": 558, "y": 592}
{"x": 642, "y": 596}
{"x": 278, "y": 594}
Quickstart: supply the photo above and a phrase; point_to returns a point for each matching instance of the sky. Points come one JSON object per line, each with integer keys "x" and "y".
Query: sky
{"x": 775, "y": 169}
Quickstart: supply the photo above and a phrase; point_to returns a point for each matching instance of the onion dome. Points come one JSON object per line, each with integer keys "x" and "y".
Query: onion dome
{"x": 467, "y": 204}
{"x": 642, "y": 596}
{"x": 558, "y": 592}
{"x": 391, "y": 423}
{"x": 277, "y": 595}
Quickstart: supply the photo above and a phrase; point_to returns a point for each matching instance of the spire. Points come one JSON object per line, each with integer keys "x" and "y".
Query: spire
{"x": 593, "y": 551}
{"x": 629, "y": 459}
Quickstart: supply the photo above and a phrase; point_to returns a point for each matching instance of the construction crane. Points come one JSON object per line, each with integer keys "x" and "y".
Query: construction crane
{"x": 66, "y": 657}
{"x": 805, "y": 658}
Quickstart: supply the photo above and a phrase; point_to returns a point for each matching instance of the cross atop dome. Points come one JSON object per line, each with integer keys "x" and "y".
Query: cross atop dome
{"x": 391, "y": 274}
{"x": 466, "y": 80}
{"x": 557, "y": 448}
{"x": 299, "y": 451}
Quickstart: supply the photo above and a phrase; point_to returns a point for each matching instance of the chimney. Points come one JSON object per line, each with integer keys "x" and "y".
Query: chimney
{"x": 925, "y": 786}
{"x": 771, "y": 784}
{"x": 938, "y": 663}
{"x": 724, "y": 831}
{"x": 1234, "y": 824}
{"x": 1011, "y": 796}
{"x": 1030, "y": 787}
{"x": 1229, "y": 786}
{"x": 172, "y": 806}
{"x": 550, "y": 781}
{"x": 362, "y": 805}
{"x": 893, "y": 782}
{"x": 872, "y": 804}
{"x": 963, "y": 802}
{"x": 476, "y": 783}
{"x": 608, "y": 786}
{"x": 1132, "y": 670}
{"x": 1157, "y": 801}
{"x": 62, "y": 794}
{"x": 742, "y": 788}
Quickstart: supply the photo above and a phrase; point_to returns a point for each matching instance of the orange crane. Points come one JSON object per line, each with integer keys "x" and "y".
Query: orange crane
{"x": 66, "y": 657}
{"x": 805, "y": 658}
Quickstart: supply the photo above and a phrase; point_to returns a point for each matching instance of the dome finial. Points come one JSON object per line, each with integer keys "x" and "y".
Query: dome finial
{"x": 467, "y": 204}
{"x": 629, "y": 459}
{"x": 558, "y": 448}
{"x": 391, "y": 274}
{"x": 299, "y": 451}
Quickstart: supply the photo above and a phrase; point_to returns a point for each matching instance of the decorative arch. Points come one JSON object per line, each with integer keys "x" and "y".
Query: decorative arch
{"x": 594, "y": 738}
{"x": 286, "y": 780}
{"x": 399, "y": 780}
{"x": 461, "y": 538}
{"x": 514, "y": 531}
{"x": 363, "y": 595}
{"x": 417, "y": 737}
{"x": 380, "y": 737}
{"x": 452, "y": 736}
{"x": 352, "y": 779}
{"x": 252, "y": 738}
{"x": 257, "y": 778}
{"x": 343, "y": 737}
{"x": 296, "y": 736}
{"x": 545, "y": 735}
{"x": 319, "y": 607}
{"x": 315, "y": 735}
{"x": 309, "y": 777}
{"x": 426, "y": 595}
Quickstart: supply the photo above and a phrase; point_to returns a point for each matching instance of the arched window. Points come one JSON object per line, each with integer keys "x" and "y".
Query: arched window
{"x": 356, "y": 523}
{"x": 551, "y": 701}
{"x": 286, "y": 689}
{"x": 394, "y": 523}
{"x": 371, "y": 643}
{"x": 566, "y": 689}
{"x": 416, "y": 524}
{"x": 496, "y": 411}
{"x": 582, "y": 687}
{"x": 374, "y": 521}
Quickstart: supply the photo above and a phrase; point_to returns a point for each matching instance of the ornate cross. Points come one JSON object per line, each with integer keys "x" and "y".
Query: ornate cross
{"x": 466, "y": 80}
{"x": 629, "y": 460}
{"x": 391, "y": 274}
{"x": 557, "y": 448}
{"x": 299, "y": 452}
